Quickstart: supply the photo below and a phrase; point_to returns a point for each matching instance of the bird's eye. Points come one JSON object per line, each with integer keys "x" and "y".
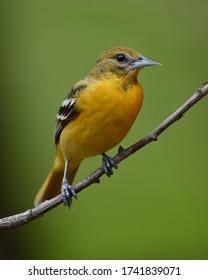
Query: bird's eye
{"x": 120, "y": 57}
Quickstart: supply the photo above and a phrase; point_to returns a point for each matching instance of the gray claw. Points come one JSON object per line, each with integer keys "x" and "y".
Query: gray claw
{"x": 108, "y": 164}
{"x": 67, "y": 192}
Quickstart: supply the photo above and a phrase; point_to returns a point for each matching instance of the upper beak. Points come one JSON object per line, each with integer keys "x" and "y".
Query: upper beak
{"x": 143, "y": 61}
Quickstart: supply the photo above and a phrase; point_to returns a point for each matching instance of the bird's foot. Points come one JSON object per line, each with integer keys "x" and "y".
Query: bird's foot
{"x": 108, "y": 164}
{"x": 67, "y": 192}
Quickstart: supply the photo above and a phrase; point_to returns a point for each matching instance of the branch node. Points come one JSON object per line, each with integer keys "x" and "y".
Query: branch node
{"x": 153, "y": 137}
{"x": 120, "y": 149}
{"x": 96, "y": 181}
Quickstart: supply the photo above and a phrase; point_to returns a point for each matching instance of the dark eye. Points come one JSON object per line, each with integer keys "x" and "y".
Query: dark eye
{"x": 120, "y": 57}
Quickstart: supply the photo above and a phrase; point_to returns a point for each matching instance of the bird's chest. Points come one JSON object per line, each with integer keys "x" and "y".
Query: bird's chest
{"x": 106, "y": 115}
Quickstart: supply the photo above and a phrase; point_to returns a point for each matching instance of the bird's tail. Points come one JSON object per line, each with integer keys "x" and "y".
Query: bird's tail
{"x": 52, "y": 184}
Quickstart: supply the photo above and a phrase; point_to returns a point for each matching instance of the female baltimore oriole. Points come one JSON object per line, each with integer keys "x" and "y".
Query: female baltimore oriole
{"x": 95, "y": 116}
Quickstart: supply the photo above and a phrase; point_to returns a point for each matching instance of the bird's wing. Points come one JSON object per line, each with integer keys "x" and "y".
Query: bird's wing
{"x": 68, "y": 110}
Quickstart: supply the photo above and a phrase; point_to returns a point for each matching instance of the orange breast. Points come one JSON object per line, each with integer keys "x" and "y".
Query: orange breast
{"x": 107, "y": 112}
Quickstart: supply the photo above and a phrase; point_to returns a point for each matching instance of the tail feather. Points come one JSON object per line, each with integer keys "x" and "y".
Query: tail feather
{"x": 52, "y": 184}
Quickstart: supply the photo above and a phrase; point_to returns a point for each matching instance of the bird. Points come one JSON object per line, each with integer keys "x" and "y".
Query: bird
{"x": 95, "y": 116}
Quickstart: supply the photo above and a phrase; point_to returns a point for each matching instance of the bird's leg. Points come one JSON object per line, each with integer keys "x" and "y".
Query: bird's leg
{"x": 66, "y": 189}
{"x": 108, "y": 163}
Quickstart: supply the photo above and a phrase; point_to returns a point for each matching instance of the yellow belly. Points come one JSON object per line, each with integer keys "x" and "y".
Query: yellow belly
{"x": 107, "y": 112}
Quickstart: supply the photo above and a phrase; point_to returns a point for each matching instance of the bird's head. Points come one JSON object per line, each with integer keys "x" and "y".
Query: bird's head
{"x": 120, "y": 62}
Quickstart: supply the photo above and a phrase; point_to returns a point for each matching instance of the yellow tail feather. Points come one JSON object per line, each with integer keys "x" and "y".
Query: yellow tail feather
{"x": 52, "y": 184}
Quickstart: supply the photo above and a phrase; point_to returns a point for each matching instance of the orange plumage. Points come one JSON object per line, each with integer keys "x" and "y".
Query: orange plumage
{"x": 96, "y": 115}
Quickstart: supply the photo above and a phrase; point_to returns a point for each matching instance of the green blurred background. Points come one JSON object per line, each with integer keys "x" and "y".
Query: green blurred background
{"x": 155, "y": 206}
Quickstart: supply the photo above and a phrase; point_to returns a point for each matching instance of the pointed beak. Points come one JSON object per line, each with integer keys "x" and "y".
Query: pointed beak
{"x": 143, "y": 61}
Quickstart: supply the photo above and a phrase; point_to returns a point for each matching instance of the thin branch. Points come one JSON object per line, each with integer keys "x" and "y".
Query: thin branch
{"x": 34, "y": 213}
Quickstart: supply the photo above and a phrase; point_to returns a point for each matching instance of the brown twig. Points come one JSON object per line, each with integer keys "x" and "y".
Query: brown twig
{"x": 34, "y": 213}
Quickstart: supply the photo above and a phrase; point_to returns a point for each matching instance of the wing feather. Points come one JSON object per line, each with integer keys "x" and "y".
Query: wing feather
{"x": 68, "y": 110}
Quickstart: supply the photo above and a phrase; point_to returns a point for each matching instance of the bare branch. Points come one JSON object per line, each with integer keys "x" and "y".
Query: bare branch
{"x": 34, "y": 213}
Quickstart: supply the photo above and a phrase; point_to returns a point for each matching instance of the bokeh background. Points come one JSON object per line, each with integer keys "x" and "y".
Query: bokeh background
{"x": 156, "y": 204}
